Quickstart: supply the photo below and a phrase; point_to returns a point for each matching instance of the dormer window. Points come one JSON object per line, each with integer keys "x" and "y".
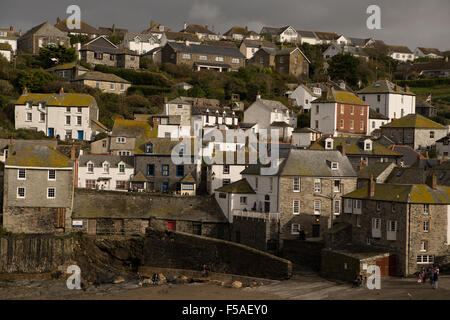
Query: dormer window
{"x": 149, "y": 148}
{"x": 367, "y": 145}
{"x": 105, "y": 167}
{"x": 334, "y": 166}
{"x": 329, "y": 144}
{"x": 121, "y": 168}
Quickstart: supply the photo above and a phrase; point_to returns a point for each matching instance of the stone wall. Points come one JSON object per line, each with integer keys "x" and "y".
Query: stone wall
{"x": 306, "y": 253}
{"x": 184, "y": 251}
{"x": 254, "y": 232}
{"x": 34, "y": 253}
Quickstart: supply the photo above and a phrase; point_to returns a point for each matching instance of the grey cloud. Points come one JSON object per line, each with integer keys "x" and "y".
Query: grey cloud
{"x": 404, "y": 22}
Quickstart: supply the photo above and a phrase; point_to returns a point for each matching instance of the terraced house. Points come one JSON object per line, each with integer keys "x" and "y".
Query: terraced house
{"x": 415, "y": 131}
{"x": 339, "y": 111}
{"x": 360, "y": 151}
{"x": 38, "y": 191}
{"x": 311, "y": 183}
{"x": 411, "y": 221}
{"x": 155, "y": 171}
{"x": 64, "y": 115}
{"x": 203, "y": 57}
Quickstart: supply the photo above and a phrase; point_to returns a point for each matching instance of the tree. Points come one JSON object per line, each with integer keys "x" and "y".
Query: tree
{"x": 52, "y": 55}
{"x": 344, "y": 67}
{"x": 34, "y": 80}
{"x": 115, "y": 38}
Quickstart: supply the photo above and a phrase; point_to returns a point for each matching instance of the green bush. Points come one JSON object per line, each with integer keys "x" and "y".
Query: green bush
{"x": 424, "y": 82}
{"x": 148, "y": 90}
{"x": 138, "y": 77}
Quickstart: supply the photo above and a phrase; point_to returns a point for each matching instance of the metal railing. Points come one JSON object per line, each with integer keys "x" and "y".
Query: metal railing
{"x": 256, "y": 214}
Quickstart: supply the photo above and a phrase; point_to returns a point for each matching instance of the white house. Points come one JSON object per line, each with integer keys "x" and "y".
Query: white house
{"x": 343, "y": 40}
{"x": 283, "y": 34}
{"x": 6, "y": 51}
{"x": 303, "y": 95}
{"x": 140, "y": 43}
{"x": 63, "y": 115}
{"x": 10, "y": 37}
{"x": 432, "y": 53}
{"x": 335, "y": 49}
{"x": 309, "y": 37}
{"x": 169, "y": 126}
{"x": 226, "y": 170}
{"x": 376, "y": 120}
{"x": 249, "y": 47}
{"x": 400, "y": 53}
{"x": 105, "y": 172}
{"x": 303, "y": 137}
{"x": 389, "y": 99}
{"x": 269, "y": 114}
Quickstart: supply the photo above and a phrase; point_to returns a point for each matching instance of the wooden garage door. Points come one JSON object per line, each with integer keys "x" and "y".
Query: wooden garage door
{"x": 388, "y": 266}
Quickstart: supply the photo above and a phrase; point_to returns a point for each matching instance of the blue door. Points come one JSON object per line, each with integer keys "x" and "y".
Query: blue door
{"x": 165, "y": 187}
{"x": 51, "y": 132}
{"x": 80, "y": 134}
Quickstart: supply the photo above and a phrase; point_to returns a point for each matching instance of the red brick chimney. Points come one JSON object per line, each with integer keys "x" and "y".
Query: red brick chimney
{"x": 11, "y": 28}
{"x": 72, "y": 152}
{"x": 11, "y": 140}
{"x": 155, "y": 123}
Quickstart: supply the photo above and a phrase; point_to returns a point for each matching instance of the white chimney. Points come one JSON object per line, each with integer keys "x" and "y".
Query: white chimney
{"x": 258, "y": 96}
{"x": 185, "y": 26}
{"x": 187, "y": 43}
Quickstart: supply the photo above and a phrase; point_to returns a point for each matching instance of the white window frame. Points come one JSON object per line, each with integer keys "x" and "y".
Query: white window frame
{"x": 317, "y": 186}
{"x": 120, "y": 166}
{"x": 24, "y": 172}
{"x": 24, "y": 193}
{"x": 376, "y": 228}
{"x": 426, "y": 209}
{"x": 338, "y": 206}
{"x": 423, "y": 248}
{"x": 88, "y": 165}
{"x": 295, "y": 228}
{"x": 68, "y": 122}
{"x": 334, "y": 166}
{"x": 296, "y": 207}
{"x": 427, "y": 223}
{"x": 29, "y": 117}
{"x": 54, "y": 193}
{"x": 79, "y": 120}
{"x": 317, "y": 207}
{"x": 296, "y": 185}
{"x": 54, "y": 175}
{"x": 429, "y": 259}
{"x": 243, "y": 200}
{"x": 226, "y": 169}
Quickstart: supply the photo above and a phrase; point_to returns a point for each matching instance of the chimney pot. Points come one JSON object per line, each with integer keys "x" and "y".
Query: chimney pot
{"x": 25, "y": 90}
{"x": 185, "y": 26}
{"x": 58, "y": 20}
{"x": 61, "y": 91}
{"x": 431, "y": 180}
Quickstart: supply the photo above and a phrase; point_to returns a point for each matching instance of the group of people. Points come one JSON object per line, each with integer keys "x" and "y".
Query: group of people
{"x": 358, "y": 281}
{"x": 431, "y": 274}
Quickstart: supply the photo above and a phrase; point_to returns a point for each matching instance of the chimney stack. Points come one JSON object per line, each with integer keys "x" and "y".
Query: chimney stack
{"x": 371, "y": 186}
{"x": 58, "y": 20}
{"x": 61, "y": 91}
{"x": 258, "y": 96}
{"x": 11, "y": 140}
{"x": 72, "y": 152}
{"x": 431, "y": 180}
{"x": 25, "y": 90}
{"x": 151, "y": 23}
{"x": 341, "y": 149}
{"x": 11, "y": 28}
{"x": 185, "y": 25}
{"x": 155, "y": 122}
{"x": 206, "y": 26}
{"x": 166, "y": 100}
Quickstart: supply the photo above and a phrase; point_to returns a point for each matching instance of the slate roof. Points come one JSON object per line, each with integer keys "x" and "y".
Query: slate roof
{"x": 430, "y": 50}
{"x": 205, "y": 49}
{"x": 162, "y": 146}
{"x": 305, "y": 130}
{"x": 384, "y": 86}
{"x": 404, "y": 193}
{"x": 56, "y": 99}
{"x": 316, "y": 163}
{"x": 20, "y": 145}
{"x": 131, "y": 128}
{"x": 37, "y": 28}
{"x": 409, "y": 155}
{"x": 423, "y": 104}
{"x": 359, "y": 41}
{"x": 376, "y": 115}
{"x": 271, "y": 104}
{"x": 355, "y": 146}
{"x": 67, "y": 66}
{"x": 280, "y": 124}
{"x": 399, "y": 49}
{"x": 84, "y": 28}
{"x": 238, "y": 187}
{"x": 98, "y": 159}
{"x": 258, "y": 43}
{"x": 307, "y": 34}
{"x": 326, "y": 35}
{"x": 102, "y": 44}
{"x": 144, "y": 37}
{"x": 100, "y": 76}
{"x": 414, "y": 121}
{"x": 374, "y": 169}
{"x": 236, "y": 30}
{"x": 188, "y": 179}
{"x": 246, "y": 125}
{"x": 39, "y": 156}
{"x": 221, "y": 157}
{"x": 334, "y": 95}
{"x": 197, "y": 102}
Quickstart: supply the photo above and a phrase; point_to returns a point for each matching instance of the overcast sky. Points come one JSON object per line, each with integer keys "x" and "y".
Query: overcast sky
{"x": 404, "y": 22}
